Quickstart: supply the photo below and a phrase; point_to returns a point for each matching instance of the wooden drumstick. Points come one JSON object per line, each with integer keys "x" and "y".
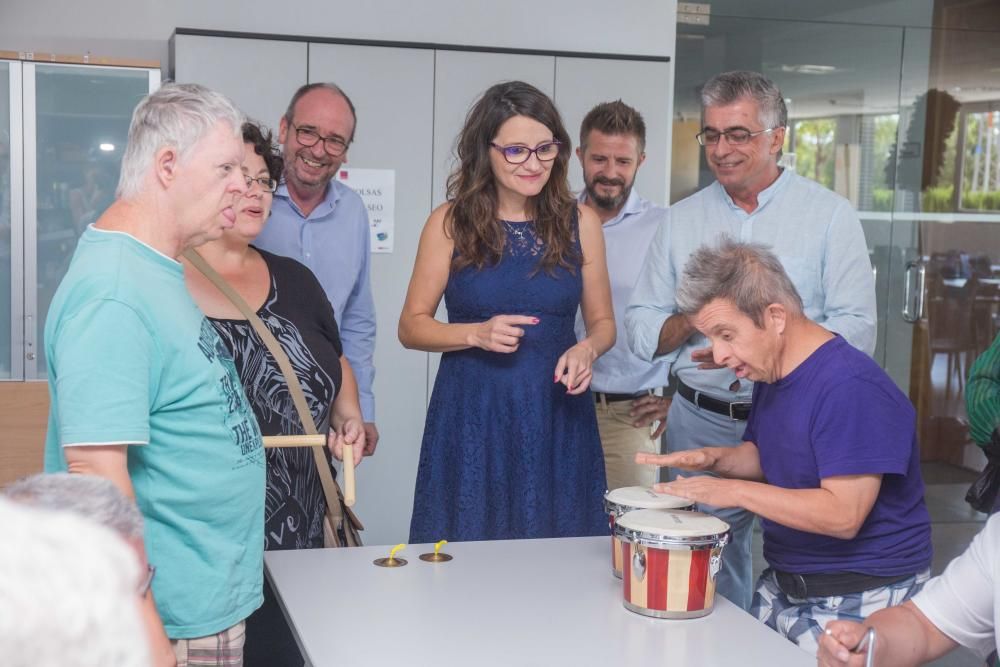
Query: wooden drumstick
{"x": 317, "y": 440}
{"x": 348, "y": 475}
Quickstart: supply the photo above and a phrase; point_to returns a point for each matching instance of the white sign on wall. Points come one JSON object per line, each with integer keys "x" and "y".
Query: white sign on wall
{"x": 377, "y": 188}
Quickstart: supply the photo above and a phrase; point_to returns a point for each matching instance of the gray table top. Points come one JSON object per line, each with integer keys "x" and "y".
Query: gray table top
{"x": 518, "y": 602}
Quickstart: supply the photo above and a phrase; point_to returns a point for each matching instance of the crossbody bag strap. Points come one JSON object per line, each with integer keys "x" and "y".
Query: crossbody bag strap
{"x": 330, "y": 488}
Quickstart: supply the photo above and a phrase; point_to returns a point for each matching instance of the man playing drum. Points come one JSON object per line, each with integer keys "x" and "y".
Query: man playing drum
{"x": 829, "y": 457}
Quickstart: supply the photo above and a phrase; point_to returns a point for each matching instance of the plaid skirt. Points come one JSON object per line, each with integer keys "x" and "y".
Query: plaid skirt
{"x": 224, "y": 649}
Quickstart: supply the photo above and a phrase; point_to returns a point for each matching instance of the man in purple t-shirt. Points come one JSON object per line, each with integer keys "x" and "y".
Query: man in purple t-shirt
{"x": 829, "y": 458}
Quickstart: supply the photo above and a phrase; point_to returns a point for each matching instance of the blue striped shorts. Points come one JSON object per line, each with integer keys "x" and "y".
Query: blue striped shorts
{"x": 802, "y": 620}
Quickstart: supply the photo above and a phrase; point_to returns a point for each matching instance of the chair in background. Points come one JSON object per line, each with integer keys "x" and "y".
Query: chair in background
{"x": 951, "y": 327}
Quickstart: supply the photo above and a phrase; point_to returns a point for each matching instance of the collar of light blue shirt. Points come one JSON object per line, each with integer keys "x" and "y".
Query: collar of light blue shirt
{"x": 330, "y": 199}
{"x": 765, "y": 196}
{"x": 634, "y": 204}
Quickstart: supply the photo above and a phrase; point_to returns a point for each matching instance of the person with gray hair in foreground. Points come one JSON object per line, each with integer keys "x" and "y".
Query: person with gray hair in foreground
{"x": 814, "y": 232}
{"x": 142, "y": 390}
{"x": 99, "y": 500}
{"x": 68, "y": 593}
{"x": 829, "y": 458}
{"x": 91, "y": 497}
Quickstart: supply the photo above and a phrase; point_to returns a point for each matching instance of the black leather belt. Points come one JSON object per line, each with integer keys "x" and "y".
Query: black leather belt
{"x": 611, "y": 398}
{"x": 824, "y": 585}
{"x": 737, "y": 410}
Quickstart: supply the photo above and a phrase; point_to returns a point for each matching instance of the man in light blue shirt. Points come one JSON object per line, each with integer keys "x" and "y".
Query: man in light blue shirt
{"x": 324, "y": 224}
{"x": 814, "y": 232}
{"x": 612, "y": 148}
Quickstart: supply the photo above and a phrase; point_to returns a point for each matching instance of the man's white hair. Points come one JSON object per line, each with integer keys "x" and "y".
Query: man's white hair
{"x": 89, "y": 496}
{"x": 177, "y": 115}
{"x": 68, "y": 593}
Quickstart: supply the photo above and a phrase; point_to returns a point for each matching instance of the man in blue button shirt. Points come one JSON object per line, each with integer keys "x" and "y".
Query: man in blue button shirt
{"x": 322, "y": 223}
{"x": 814, "y": 232}
{"x": 612, "y": 148}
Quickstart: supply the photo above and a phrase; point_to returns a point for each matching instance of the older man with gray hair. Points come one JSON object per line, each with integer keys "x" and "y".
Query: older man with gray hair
{"x": 67, "y": 593}
{"x": 144, "y": 393}
{"x": 828, "y": 459}
{"x": 816, "y": 235}
{"x": 96, "y": 499}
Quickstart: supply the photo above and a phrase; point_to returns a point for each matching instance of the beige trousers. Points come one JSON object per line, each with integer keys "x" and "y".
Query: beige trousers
{"x": 621, "y": 441}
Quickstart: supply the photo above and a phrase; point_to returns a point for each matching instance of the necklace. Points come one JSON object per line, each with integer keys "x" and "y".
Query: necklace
{"x": 515, "y": 228}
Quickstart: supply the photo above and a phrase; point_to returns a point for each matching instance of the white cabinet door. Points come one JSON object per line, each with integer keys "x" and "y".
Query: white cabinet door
{"x": 259, "y": 75}
{"x": 392, "y": 91}
{"x": 460, "y": 77}
{"x": 647, "y": 86}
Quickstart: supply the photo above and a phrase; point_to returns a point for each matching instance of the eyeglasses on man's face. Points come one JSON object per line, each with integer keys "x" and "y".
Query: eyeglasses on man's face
{"x": 737, "y": 136}
{"x": 266, "y": 183}
{"x": 519, "y": 154}
{"x": 147, "y": 580}
{"x": 334, "y": 146}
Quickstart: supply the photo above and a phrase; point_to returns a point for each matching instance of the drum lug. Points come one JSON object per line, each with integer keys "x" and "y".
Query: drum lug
{"x": 639, "y": 563}
{"x": 714, "y": 564}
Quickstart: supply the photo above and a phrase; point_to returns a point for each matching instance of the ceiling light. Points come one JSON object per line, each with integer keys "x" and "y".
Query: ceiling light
{"x": 106, "y": 147}
{"x": 809, "y": 69}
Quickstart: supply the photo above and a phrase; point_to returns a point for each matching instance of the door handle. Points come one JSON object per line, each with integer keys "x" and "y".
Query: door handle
{"x": 913, "y": 307}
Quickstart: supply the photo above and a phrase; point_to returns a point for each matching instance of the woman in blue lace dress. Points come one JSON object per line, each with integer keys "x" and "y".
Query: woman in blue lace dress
{"x": 510, "y": 447}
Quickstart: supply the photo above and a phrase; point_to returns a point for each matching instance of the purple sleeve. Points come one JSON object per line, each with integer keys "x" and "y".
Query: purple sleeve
{"x": 861, "y": 429}
{"x": 750, "y": 432}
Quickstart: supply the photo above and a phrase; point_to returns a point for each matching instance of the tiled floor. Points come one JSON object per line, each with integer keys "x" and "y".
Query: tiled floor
{"x": 953, "y": 525}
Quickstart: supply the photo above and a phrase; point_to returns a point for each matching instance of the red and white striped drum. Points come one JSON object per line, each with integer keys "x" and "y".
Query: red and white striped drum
{"x": 670, "y": 560}
{"x": 619, "y": 501}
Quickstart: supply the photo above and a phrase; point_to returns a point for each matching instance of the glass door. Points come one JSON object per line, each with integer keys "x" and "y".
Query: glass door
{"x": 76, "y": 120}
{"x": 842, "y": 87}
{"x": 905, "y": 123}
{"x": 946, "y": 229}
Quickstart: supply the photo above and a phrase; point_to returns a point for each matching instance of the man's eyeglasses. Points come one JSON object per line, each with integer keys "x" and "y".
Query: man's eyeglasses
{"x": 334, "y": 146}
{"x": 737, "y": 136}
{"x": 520, "y": 154}
{"x": 266, "y": 183}
{"x": 147, "y": 581}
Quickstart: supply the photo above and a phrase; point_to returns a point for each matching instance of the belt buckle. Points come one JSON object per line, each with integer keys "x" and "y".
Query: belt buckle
{"x": 738, "y": 404}
{"x": 801, "y": 589}
{"x": 793, "y": 585}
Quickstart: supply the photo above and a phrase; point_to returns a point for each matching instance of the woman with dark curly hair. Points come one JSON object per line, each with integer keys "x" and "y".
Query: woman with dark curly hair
{"x": 294, "y": 307}
{"x": 510, "y": 447}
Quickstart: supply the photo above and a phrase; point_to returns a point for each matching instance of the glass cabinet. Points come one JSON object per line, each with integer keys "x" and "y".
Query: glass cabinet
{"x": 62, "y": 131}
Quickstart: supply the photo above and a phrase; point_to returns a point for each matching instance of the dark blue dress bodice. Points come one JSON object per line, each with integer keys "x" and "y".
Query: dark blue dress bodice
{"x": 506, "y": 452}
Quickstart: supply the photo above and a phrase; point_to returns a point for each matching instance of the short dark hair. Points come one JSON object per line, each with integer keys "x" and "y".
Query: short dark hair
{"x": 324, "y": 85}
{"x": 614, "y": 118}
{"x": 260, "y": 138}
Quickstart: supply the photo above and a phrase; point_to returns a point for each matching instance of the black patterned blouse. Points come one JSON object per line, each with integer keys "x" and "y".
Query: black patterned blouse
{"x": 301, "y": 318}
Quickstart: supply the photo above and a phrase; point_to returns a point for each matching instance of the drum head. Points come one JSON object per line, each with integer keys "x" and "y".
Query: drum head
{"x": 671, "y": 523}
{"x": 643, "y": 497}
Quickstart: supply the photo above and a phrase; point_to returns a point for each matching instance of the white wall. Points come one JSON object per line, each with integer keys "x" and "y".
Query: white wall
{"x": 141, "y": 28}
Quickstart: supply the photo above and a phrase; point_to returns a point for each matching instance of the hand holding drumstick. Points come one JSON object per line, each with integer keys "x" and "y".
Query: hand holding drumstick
{"x": 349, "y": 435}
